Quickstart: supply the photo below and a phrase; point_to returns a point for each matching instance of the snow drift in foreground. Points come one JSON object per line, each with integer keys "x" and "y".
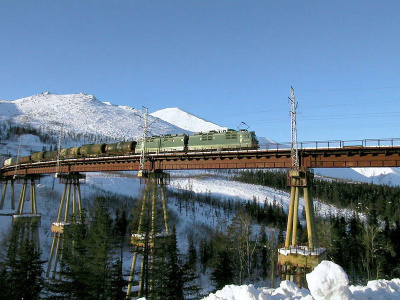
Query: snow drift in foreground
{"x": 327, "y": 281}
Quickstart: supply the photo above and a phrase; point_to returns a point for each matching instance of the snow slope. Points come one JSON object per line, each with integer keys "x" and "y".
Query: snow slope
{"x": 185, "y": 120}
{"x": 227, "y": 189}
{"x": 81, "y": 113}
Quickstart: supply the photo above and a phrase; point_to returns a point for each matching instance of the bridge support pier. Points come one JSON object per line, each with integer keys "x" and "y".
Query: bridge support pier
{"x": 152, "y": 235}
{"x": 10, "y": 179}
{"x": 25, "y": 225}
{"x": 294, "y": 260}
{"x": 69, "y": 212}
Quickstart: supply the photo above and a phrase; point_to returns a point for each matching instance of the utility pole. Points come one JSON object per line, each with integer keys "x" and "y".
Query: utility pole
{"x": 293, "y": 122}
{"x": 143, "y": 150}
{"x": 59, "y": 150}
{"x": 294, "y": 260}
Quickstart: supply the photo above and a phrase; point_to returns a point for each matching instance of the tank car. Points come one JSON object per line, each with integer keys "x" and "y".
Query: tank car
{"x": 92, "y": 149}
{"x": 120, "y": 148}
{"x": 37, "y": 156}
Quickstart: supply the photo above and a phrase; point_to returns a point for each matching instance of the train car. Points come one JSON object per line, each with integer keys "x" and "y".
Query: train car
{"x": 10, "y": 162}
{"x": 120, "y": 148}
{"x": 225, "y": 140}
{"x": 25, "y": 159}
{"x": 50, "y": 155}
{"x": 37, "y": 156}
{"x": 111, "y": 148}
{"x": 92, "y": 150}
{"x": 165, "y": 143}
{"x": 127, "y": 147}
{"x": 73, "y": 152}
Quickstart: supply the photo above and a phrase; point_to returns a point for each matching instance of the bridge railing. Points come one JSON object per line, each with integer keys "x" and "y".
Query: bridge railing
{"x": 335, "y": 144}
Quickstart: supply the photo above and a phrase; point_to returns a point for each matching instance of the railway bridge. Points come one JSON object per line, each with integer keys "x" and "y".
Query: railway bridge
{"x": 319, "y": 154}
{"x": 293, "y": 260}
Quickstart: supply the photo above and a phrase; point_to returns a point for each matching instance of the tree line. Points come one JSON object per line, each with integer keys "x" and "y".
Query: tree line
{"x": 367, "y": 244}
{"x": 367, "y": 198}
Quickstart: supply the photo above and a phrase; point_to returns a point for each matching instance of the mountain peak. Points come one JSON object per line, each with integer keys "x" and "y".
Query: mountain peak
{"x": 81, "y": 114}
{"x": 185, "y": 120}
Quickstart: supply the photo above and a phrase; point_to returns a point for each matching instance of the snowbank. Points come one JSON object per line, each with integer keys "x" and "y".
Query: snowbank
{"x": 287, "y": 290}
{"x": 327, "y": 281}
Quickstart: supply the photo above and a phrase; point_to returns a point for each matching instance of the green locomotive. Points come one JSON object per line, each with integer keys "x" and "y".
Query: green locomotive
{"x": 164, "y": 143}
{"x": 225, "y": 140}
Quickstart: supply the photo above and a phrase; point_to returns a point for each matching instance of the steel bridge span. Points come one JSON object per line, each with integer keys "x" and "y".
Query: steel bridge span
{"x": 315, "y": 157}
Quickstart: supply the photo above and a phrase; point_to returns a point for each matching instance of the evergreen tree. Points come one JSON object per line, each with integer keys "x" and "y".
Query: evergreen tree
{"x": 74, "y": 279}
{"x": 100, "y": 245}
{"x": 223, "y": 272}
{"x": 87, "y": 257}
{"x": 167, "y": 272}
{"x": 263, "y": 253}
{"x": 190, "y": 278}
{"x": 117, "y": 282}
{"x": 22, "y": 275}
{"x": 174, "y": 270}
{"x": 192, "y": 254}
{"x": 120, "y": 229}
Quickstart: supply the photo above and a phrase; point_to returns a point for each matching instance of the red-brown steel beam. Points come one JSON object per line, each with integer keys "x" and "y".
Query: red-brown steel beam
{"x": 310, "y": 158}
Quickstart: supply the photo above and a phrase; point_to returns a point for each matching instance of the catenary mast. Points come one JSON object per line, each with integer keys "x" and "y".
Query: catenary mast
{"x": 294, "y": 260}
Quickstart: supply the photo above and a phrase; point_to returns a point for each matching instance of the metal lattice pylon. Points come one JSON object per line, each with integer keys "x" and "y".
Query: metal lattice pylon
{"x": 293, "y": 122}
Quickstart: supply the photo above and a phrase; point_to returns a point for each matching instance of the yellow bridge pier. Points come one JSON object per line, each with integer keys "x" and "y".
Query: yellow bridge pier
{"x": 294, "y": 260}
{"x": 151, "y": 235}
{"x": 69, "y": 212}
{"x": 5, "y": 181}
{"x": 25, "y": 225}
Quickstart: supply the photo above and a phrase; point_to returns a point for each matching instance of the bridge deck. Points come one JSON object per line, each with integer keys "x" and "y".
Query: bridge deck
{"x": 340, "y": 157}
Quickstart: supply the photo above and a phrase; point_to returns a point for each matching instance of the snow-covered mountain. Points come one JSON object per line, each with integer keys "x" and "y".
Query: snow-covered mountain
{"x": 185, "y": 120}
{"x": 388, "y": 176}
{"x": 80, "y": 113}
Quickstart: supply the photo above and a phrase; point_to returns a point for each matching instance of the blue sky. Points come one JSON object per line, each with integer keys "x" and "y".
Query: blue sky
{"x": 225, "y": 61}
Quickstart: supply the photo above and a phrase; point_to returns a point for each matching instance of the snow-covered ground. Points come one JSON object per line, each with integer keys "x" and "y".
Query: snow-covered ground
{"x": 327, "y": 281}
{"x": 223, "y": 187}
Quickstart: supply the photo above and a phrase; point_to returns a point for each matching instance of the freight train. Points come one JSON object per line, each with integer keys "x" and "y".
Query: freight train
{"x": 209, "y": 141}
